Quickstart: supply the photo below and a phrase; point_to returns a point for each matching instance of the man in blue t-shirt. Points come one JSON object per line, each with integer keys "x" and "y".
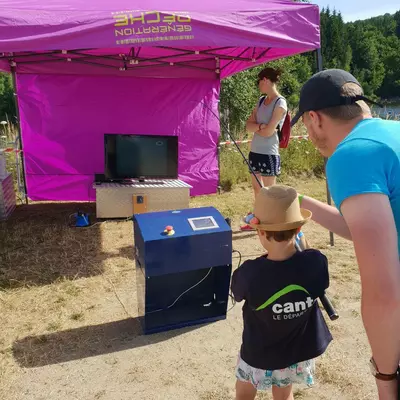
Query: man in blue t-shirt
{"x": 363, "y": 173}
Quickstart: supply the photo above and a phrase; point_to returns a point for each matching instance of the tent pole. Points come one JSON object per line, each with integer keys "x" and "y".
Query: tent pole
{"x": 328, "y": 194}
{"x": 19, "y": 138}
{"x": 219, "y": 167}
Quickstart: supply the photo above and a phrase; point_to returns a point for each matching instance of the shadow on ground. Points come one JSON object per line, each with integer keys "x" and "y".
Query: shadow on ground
{"x": 239, "y": 235}
{"x": 88, "y": 341}
{"x": 38, "y": 245}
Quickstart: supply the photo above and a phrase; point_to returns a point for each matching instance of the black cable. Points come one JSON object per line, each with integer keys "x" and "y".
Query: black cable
{"x": 230, "y": 292}
{"x": 233, "y": 304}
{"x": 240, "y": 256}
{"x": 187, "y": 290}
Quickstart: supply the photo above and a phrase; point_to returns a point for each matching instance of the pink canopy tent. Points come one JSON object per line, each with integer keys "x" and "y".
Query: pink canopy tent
{"x": 86, "y": 68}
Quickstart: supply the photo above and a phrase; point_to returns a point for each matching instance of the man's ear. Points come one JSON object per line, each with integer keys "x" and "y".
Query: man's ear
{"x": 315, "y": 117}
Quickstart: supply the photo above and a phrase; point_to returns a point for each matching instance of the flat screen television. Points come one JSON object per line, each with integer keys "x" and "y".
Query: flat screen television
{"x": 140, "y": 156}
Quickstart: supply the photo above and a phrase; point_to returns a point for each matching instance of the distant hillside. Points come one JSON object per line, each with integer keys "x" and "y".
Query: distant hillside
{"x": 369, "y": 48}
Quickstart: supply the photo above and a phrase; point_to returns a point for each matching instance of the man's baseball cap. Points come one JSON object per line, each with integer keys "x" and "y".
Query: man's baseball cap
{"x": 323, "y": 90}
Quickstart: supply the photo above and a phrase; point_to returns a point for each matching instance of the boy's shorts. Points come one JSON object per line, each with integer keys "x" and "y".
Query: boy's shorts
{"x": 300, "y": 373}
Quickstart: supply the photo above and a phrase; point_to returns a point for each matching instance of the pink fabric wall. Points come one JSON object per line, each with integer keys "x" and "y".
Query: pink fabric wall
{"x": 64, "y": 118}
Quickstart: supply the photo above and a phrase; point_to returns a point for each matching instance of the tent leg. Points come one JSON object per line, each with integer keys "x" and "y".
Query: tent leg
{"x": 219, "y": 152}
{"x": 328, "y": 194}
{"x": 219, "y": 168}
{"x": 19, "y": 139}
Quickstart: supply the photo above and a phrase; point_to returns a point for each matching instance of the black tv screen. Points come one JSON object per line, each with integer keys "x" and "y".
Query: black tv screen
{"x": 136, "y": 156}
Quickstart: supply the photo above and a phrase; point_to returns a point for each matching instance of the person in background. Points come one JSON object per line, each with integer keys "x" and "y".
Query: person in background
{"x": 267, "y": 117}
{"x": 363, "y": 174}
{"x": 283, "y": 327}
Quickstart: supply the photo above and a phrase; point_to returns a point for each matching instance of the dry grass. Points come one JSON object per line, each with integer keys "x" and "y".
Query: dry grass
{"x": 69, "y": 326}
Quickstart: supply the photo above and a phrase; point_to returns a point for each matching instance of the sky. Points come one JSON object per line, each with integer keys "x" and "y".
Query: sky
{"x": 358, "y": 9}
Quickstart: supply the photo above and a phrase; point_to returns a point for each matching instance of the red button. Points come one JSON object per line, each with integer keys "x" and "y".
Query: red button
{"x": 169, "y": 228}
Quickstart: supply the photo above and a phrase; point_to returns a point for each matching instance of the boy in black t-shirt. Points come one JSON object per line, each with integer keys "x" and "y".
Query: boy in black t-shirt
{"x": 284, "y": 329}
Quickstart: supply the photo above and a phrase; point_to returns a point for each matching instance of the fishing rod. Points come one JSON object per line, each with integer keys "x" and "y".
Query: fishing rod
{"x": 324, "y": 299}
{"x": 233, "y": 141}
{"x": 326, "y": 303}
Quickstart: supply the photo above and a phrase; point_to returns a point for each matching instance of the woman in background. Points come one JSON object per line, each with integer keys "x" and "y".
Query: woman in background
{"x": 265, "y": 120}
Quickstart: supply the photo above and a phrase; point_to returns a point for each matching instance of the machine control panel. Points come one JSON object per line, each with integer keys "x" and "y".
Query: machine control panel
{"x": 167, "y": 225}
{"x": 201, "y": 223}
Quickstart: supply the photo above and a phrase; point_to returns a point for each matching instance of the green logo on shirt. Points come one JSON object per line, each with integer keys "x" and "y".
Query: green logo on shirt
{"x": 277, "y": 295}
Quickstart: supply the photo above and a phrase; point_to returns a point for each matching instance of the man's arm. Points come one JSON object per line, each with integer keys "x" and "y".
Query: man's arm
{"x": 350, "y": 172}
{"x": 372, "y": 226}
{"x": 327, "y": 216}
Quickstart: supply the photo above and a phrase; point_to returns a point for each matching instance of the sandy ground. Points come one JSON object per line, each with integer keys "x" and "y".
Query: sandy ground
{"x": 78, "y": 337}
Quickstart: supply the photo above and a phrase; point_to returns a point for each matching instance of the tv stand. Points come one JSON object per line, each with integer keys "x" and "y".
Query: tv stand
{"x": 116, "y": 199}
{"x": 140, "y": 181}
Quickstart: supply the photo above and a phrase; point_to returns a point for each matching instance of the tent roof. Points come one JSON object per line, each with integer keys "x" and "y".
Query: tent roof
{"x": 204, "y": 39}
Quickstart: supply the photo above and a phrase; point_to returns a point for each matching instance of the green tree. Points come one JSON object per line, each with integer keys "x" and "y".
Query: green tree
{"x": 390, "y": 54}
{"x": 369, "y": 49}
{"x": 239, "y": 93}
{"x": 396, "y": 17}
{"x": 386, "y": 24}
{"x": 238, "y": 96}
{"x": 7, "y": 106}
{"x": 336, "y": 49}
{"x": 366, "y": 63}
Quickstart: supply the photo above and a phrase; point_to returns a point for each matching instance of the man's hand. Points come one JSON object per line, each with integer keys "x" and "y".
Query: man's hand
{"x": 326, "y": 216}
{"x": 369, "y": 218}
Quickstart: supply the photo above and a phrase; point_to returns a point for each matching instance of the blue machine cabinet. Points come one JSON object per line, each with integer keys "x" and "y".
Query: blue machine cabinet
{"x": 182, "y": 279}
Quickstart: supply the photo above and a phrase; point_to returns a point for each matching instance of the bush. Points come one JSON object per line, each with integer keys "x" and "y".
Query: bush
{"x": 299, "y": 158}
{"x": 233, "y": 169}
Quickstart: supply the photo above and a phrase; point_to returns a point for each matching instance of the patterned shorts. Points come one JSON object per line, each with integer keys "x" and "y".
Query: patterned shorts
{"x": 265, "y": 164}
{"x": 300, "y": 373}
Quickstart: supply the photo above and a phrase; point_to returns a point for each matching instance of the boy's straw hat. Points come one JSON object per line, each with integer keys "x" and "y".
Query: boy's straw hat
{"x": 277, "y": 209}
